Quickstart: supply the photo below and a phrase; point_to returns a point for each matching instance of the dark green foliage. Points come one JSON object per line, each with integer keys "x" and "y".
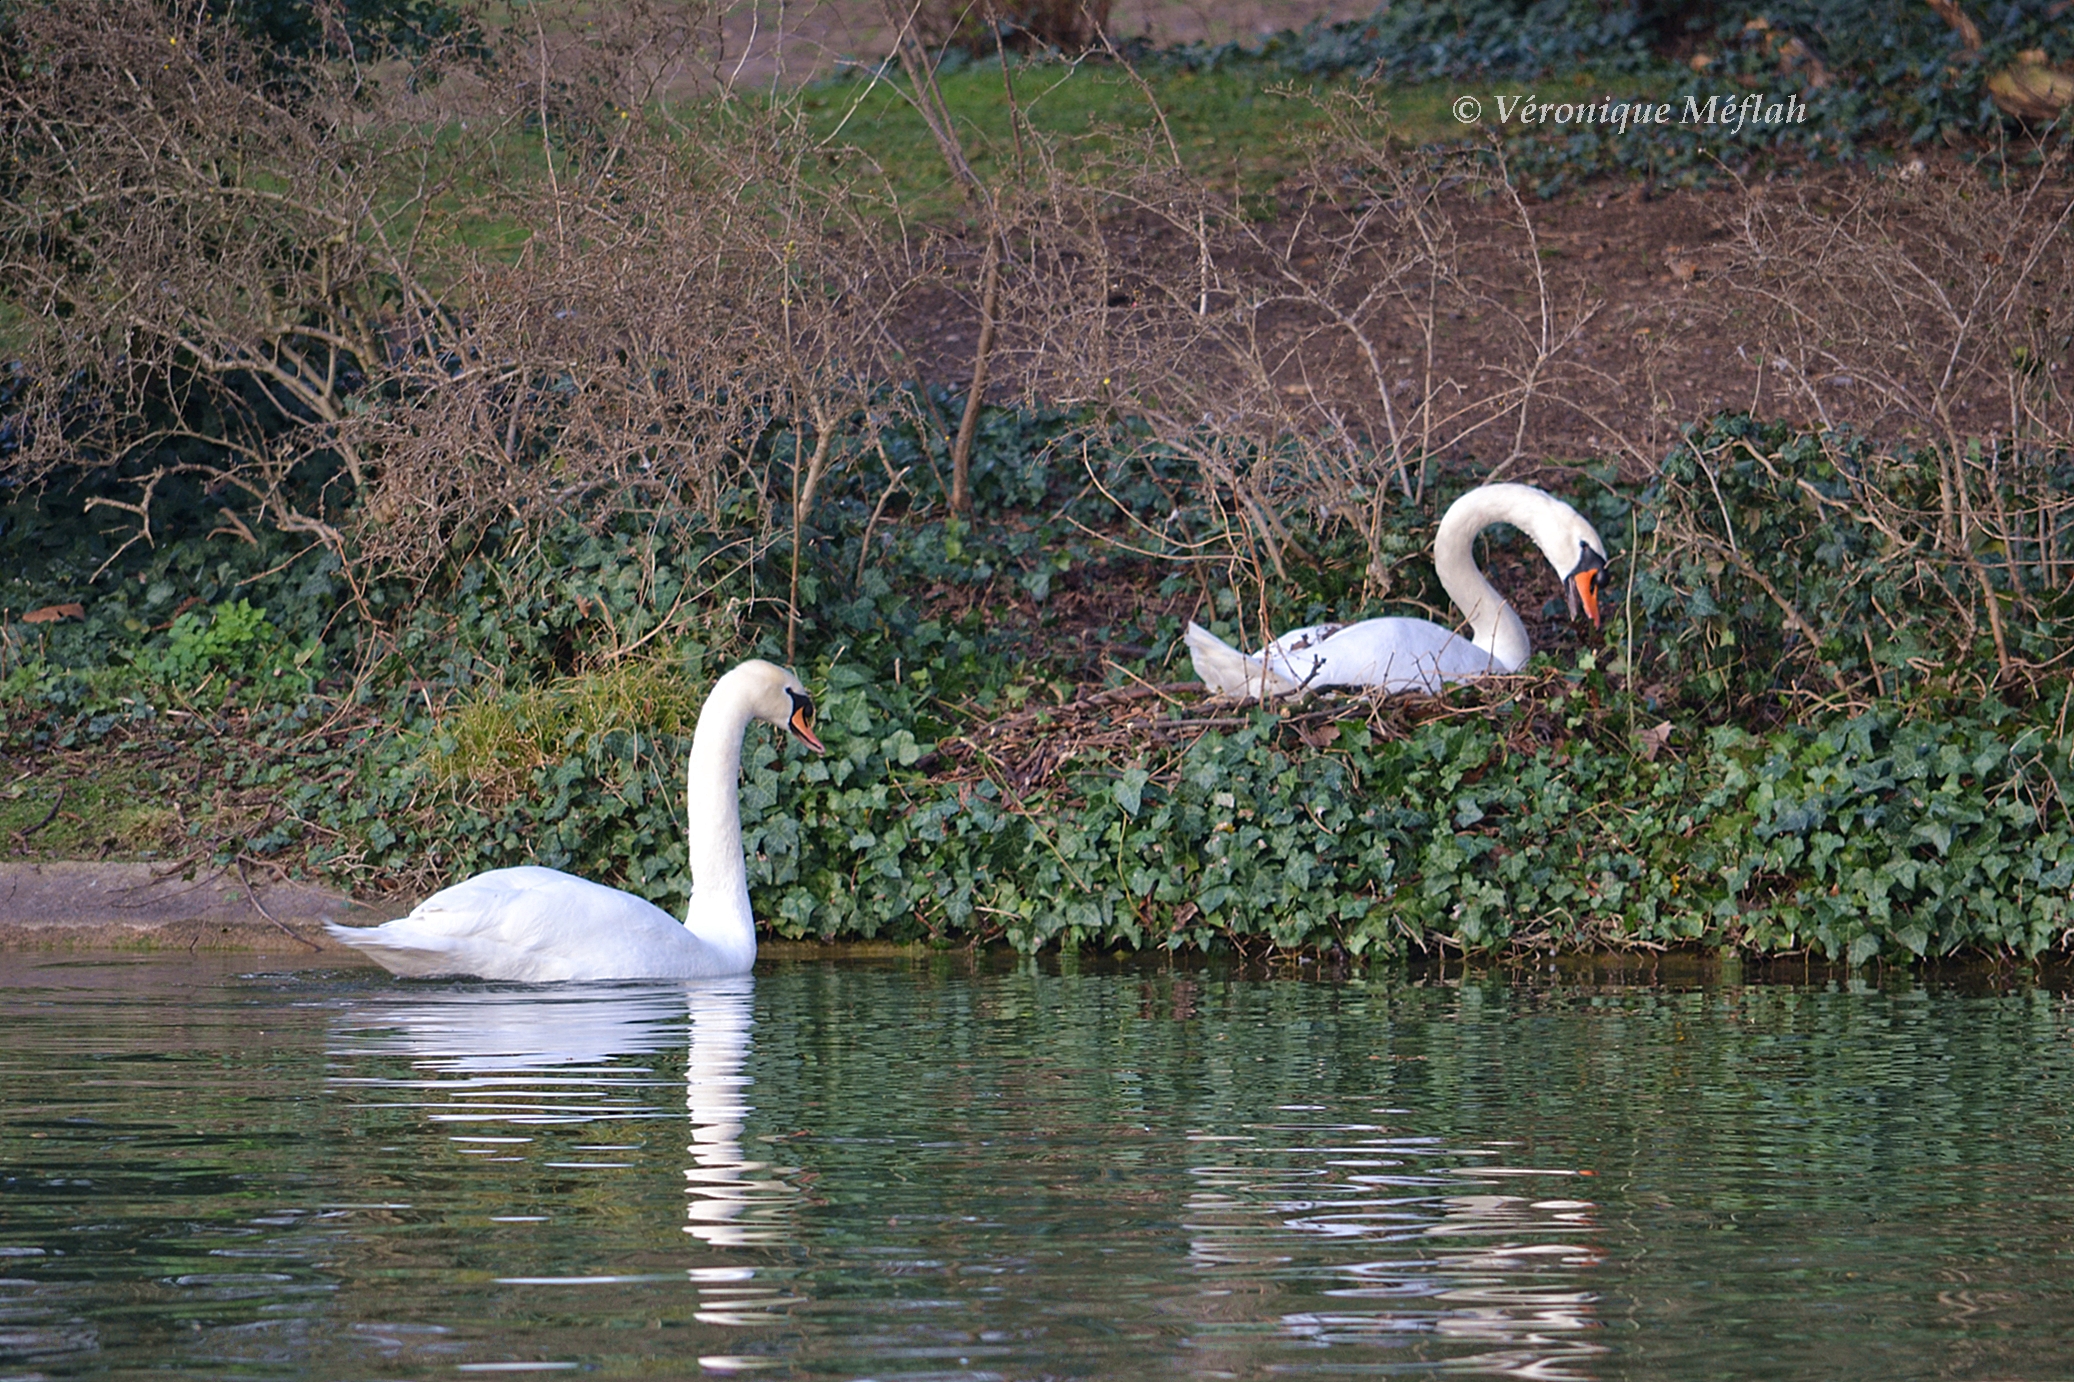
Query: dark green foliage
{"x": 1865, "y": 835}
{"x": 239, "y": 601}
{"x": 363, "y": 29}
{"x": 1859, "y": 836}
{"x": 1424, "y": 41}
{"x": 1746, "y": 522}
{"x": 1894, "y": 74}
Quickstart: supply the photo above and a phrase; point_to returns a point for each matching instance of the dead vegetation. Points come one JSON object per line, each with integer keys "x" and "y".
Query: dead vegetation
{"x": 1925, "y": 324}
{"x": 1156, "y": 723}
{"x": 397, "y": 309}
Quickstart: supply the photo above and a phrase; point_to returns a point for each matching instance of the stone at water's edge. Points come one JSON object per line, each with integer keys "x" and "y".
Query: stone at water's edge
{"x": 92, "y": 906}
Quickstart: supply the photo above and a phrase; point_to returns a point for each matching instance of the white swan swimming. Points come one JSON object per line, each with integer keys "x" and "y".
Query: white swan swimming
{"x": 539, "y": 925}
{"x": 1398, "y": 654}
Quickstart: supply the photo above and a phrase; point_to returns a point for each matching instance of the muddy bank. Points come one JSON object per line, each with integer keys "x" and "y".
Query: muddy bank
{"x": 134, "y": 906}
{"x": 84, "y": 905}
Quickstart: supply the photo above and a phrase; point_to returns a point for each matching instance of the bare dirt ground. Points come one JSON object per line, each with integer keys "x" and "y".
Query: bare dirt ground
{"x": 1638, "y": 280}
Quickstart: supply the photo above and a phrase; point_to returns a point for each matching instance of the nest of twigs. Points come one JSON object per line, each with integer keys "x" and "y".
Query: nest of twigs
{"x": 1155, "y": 724}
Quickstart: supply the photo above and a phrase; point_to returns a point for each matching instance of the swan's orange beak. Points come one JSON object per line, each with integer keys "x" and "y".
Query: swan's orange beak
{"x": 1581, "y": 586}
{"x": 1584, "y": 593}
{"x": 802, "y": 721}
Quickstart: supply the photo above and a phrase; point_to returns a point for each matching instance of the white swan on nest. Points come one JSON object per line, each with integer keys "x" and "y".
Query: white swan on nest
{"x": 1398, "y": 654}
{"x": 538, "y": 925}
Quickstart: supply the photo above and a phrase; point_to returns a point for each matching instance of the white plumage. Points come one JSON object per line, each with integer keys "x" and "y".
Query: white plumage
{"x": 538, "y": 925}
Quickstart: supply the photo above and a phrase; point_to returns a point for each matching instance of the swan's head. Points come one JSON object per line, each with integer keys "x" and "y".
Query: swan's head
{"x": 775, "y": 697}
{"x": 1566, "y": 538}
{"x": 1573, "y": 547}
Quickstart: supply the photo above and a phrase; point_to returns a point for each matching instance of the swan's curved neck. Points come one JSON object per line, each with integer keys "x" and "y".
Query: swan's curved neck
{"x": 719, "y": 911}
{"x": 1494, "y": 625}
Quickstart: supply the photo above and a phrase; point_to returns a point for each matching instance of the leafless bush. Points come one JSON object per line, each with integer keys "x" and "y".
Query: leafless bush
{"x": 201, "y": 260}
{"x": 1289, "y": 344}
{"x": 486, "y": 292}
{"x": 1932, "y": 315}
{"x": 1920, "y": 308}
{"x": 977, "y": 25}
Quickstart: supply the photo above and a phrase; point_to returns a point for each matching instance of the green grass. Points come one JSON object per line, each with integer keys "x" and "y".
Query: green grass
{"x": 496, "y": 740}
{"x": 1245, "y": 126}
{"x": 118, "y": 810}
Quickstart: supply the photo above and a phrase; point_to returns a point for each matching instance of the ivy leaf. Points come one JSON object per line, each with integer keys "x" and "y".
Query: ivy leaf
{"x": 1129, "y": 789}
{"x": 1938, "y": 833}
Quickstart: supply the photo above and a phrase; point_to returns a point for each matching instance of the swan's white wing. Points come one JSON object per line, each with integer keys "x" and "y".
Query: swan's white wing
{"x": 534, "y": 925}
{"x": 1389, "y": 655}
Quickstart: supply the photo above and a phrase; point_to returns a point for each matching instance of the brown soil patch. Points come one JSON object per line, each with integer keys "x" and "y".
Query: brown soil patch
{"x": 1659, "y": 347}
{"x": 1657, "y": 331}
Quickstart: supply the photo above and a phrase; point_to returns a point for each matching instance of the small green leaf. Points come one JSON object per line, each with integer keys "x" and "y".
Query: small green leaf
{"x": 1129, "y": 789}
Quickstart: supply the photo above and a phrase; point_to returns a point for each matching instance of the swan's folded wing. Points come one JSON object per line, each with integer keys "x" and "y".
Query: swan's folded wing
{"x": 1391, "y": 655}
{"x": 499, "y": 924}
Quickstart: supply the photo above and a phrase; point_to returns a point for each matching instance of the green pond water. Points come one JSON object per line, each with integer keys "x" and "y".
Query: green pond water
{"x": 949, "y": 1171}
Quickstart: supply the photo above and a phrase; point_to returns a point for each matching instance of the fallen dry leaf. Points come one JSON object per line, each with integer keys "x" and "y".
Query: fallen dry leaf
{"x": 1323, "y": 737}
{"x": 2031, "y": 89}
{"x": 50, "y": 614}
{"x": 1652, "y": 741}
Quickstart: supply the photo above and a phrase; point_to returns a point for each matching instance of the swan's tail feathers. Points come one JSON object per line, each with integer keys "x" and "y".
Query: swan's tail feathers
{"x": 395, "y": 952}
{"x": 1229, "y": 672}
{"x": 355, "y": 936}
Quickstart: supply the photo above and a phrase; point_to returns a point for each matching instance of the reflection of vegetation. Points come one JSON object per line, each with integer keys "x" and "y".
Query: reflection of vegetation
{"x": 235, "y": 1185}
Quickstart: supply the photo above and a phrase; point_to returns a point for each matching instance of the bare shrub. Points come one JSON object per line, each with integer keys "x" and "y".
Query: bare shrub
{"x": 208, "y": 264}
{"x": 487, "y": 291}
{"x": 480, "y": 290}
{"x": 1288, "y": 344}
{"x": 1930, "y": 316}
{"x": 405, "y": 306}
{"x": 1073, "y": 26}
{"x": 1918, "y": 308}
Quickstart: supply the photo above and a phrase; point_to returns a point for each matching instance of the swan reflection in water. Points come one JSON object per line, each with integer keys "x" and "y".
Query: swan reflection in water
{"x": 1465, "y": 1280}
{"x": 504, "y": 1066}
{"x": 734, "y": 1201}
